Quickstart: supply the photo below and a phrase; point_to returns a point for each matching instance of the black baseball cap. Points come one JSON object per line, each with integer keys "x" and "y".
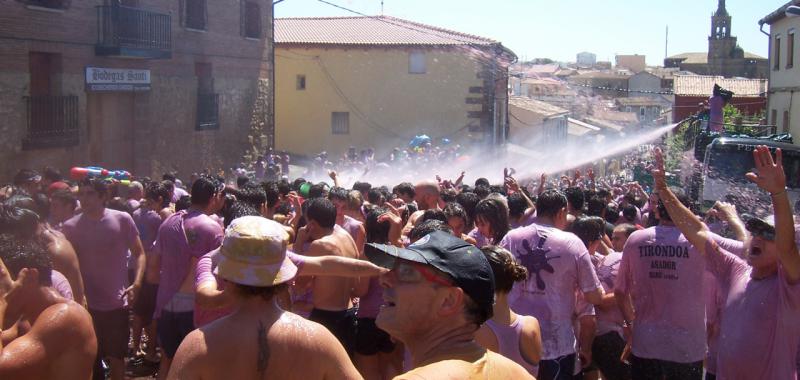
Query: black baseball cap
{"x": 462, "y": 261}
{"x": 764, "y": 227}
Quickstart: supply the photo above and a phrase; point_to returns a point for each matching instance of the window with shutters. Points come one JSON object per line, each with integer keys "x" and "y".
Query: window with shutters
{"x": 301, "y": 82}
{"x": 251, "y": 19}
{"x": 196, "y": 16}
{"x": 340, "y": 123}
{"x": 776, "y": 54}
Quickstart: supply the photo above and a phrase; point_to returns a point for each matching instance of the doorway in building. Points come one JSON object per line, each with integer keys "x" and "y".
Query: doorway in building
{"x": 111, "y": 121}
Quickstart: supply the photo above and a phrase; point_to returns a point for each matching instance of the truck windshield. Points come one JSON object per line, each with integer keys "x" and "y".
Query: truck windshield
{"x": 731, "y": 162}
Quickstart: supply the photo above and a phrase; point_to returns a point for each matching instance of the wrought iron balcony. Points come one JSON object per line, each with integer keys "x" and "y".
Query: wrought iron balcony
{"x": 132, "y": 32}
{"x": 52, "y": 122}
{"x": 207, "y": 111}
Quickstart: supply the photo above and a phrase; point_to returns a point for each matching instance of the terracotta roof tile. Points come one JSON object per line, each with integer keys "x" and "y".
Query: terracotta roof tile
{"x": 642, "y": 101}
{"x": 703, "y": 85}
{"x": 702, "y": 58}
{"x": 375, "y": 30}
{"x": 536, "y": 106}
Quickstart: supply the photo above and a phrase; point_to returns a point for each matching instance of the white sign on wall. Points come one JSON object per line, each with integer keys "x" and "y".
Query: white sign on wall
{"x": 104, "y": 79}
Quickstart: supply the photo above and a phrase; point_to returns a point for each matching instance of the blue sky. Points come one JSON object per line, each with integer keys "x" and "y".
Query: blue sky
{"x": 559, "y": 29}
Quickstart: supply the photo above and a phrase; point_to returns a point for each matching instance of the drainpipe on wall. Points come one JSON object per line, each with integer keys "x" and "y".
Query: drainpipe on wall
{"x": 769, "y": 72}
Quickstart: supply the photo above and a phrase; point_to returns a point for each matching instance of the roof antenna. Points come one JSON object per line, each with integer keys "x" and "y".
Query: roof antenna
{"x": 381, "y": 7}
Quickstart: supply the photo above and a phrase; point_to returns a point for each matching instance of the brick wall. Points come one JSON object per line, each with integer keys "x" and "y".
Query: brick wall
{"x": 164, "y": 136}
{"x": 686, "y": 106}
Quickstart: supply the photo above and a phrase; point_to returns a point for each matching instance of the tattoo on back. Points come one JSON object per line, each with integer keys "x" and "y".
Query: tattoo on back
{"x": 263, "y": 349}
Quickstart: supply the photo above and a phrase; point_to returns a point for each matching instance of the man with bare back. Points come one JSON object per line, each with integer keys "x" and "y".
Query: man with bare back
{"x": 61, "y": 343}
{"x": 333, "y": 307}
{"x": 259, "y": 340}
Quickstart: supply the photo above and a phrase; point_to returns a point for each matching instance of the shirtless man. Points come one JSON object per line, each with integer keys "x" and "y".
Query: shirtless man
{"x": 61, "y": 342}
{"x": 63, "y": 255}
{"x": 339, "y": 197}
{"x": 439, "y": 291}
{"x": 65, "y": 260}
{"x": 333, "y": 307}
{"x": 259, "y": 340}
{"x": 426, "y": 194}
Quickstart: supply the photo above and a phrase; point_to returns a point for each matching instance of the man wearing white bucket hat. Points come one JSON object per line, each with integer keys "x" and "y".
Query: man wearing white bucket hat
{"x": 259, "y": 339}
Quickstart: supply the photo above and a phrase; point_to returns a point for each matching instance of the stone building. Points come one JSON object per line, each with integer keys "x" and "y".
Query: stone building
{"x": 647, "y": 84}
{"x": 784, "y": 78}
{"x": 601, "y": 83}
{"x": 534, "y": 123}
{"x": 379, "y": 81}
{"x": 146, "y": 86}
{"x": 586, "y": 59}
{"x": 724, "y": 57}
{"x": 633, "y": 62}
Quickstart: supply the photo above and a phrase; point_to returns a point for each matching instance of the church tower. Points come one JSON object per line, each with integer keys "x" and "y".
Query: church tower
{"x": 721, "y": 44}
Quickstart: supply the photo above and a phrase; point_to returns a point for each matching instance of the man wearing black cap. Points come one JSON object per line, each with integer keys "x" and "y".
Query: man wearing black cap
{"x": 759, "y": 332}
{"x": 439, "y": 291}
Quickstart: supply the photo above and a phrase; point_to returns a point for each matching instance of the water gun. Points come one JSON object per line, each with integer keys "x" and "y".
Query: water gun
{"x": 78, "y": 173}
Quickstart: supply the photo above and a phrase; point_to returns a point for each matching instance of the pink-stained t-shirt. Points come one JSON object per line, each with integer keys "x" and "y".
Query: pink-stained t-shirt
{"x": 508, "y": 343}
{"x": 558, "y": 264}
{"x": 607, "y": 267}
{"x": 370, "y": 304}
{"x": 480, "y": 240}
{"x": 715, "y": 106}
{"x": 760, "y": 322}
{"x": 352, "y": 226}
{"x": 132, "y": 204}
{"x": 733, "y": 246}
{"x": 184, "y": 235}
{"x": 102, "y": 248}
{"x": 177, "y": 193}
{"x": 582, "y": 309}
{"x": 714, "y": 302}
{"x": 203, "y": 274}
{"x": 663, "y": 273}
{"x": 147, "y": 222}
{"x": 61, "y": 285}
{"x": 526, "y": 221}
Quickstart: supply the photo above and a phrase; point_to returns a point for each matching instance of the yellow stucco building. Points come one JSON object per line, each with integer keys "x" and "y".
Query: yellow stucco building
{"x": 376, "y": 82}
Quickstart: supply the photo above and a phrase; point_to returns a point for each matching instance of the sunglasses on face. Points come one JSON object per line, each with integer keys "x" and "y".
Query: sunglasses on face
{"x": 764, "y": 233}
{"x": 408, "y": 272}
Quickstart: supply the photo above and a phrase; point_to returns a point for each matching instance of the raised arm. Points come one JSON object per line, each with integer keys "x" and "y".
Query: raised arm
{"x": 335, "y": 177}
{"x": 338, "y": 266}
{"x": 542, "y": 184}
{"x": 727, "y": 212}
{"x": 687, "y": 222}
{"x": 772, "y": 179}
{"x": 512, "y": 186}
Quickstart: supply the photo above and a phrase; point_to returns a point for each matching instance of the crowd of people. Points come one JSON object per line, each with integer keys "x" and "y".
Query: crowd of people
{"x": 571, "y": 277}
